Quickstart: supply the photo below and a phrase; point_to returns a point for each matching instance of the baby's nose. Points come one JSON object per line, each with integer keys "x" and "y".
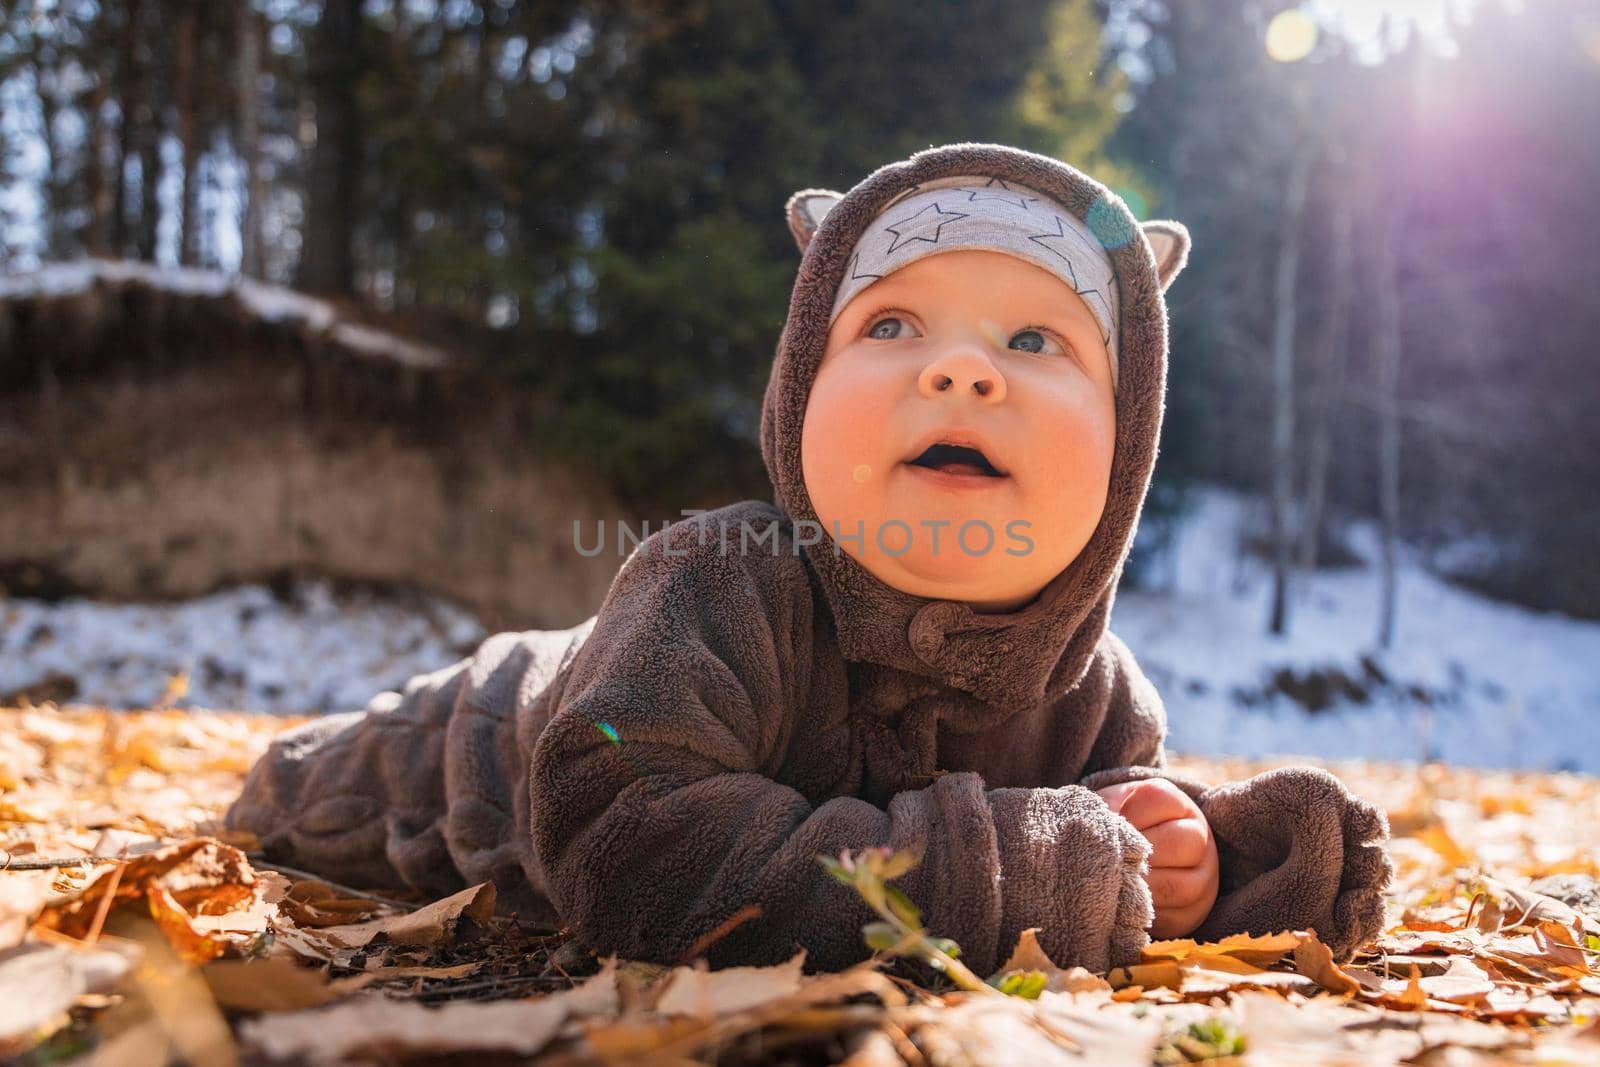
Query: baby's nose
{"x": 960, "y": 369}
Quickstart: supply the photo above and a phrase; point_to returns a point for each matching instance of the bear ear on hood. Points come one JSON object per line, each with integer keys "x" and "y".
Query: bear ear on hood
{"x": 805, "y": 210}
{"x": 1169, "y": 240}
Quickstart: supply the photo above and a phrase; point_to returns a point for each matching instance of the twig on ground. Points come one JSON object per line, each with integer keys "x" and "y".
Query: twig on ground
{"x": 721, "y": 930}
{"x": 104, "y": 909}
{"x": 9, "y": 863}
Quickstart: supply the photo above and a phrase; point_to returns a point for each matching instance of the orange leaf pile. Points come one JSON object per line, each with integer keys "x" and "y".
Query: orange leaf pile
{"x": 181, "y": 946}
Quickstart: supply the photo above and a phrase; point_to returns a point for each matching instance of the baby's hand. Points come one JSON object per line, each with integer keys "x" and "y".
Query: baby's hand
{"x": 1183, "y": 858}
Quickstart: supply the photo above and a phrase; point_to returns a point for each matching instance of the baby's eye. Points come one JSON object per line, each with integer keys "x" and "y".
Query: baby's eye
{"x": 886, "y": 328}
{"x": 1033, "y": 340}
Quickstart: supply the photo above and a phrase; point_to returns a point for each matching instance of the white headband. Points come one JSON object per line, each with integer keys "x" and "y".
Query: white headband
{"x": 968, "y": 211}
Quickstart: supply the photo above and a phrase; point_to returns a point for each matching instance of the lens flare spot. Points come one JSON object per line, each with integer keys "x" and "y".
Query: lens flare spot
{"x": 993, "y": 331}
{"x": 862, "y": 472}
{"x": 609, "y": 730}
{"x": 1291, "y": 35}
{"x": 1589, "y": 36}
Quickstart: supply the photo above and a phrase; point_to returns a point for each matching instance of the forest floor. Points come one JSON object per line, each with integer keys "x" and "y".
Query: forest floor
{"x": 186, "y": 949}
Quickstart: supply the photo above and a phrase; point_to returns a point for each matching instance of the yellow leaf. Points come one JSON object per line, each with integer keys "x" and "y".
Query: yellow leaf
{"x": 1315, "y": 960}
{"x": 1438, "y": 838}
{"x": 1259, "y": 949}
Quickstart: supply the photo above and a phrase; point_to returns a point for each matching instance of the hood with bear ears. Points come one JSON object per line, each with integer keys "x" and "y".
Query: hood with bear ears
{"x": 1011, "y": 659}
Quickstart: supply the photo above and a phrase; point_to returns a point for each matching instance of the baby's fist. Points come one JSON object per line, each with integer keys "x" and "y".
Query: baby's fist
{"x": 1183, "y": 859}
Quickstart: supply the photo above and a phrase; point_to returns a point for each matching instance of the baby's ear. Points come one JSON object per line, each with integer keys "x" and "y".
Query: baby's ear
{"x": 1169, "y": 239}
{"x": 805, "y": 210}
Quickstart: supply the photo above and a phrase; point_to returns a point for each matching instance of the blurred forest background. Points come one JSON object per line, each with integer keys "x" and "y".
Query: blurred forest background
{"x": 587, "y": 196}
{"x": 577, "y": 205}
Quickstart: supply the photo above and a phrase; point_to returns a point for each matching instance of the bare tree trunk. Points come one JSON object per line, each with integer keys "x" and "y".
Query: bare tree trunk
{"x": 188, "y": 135}
{"x": 250, "y": 141}
{"x": 48, "y": 82}
{"x": 97, "y": 234}
{"x": 1283, "y": 323}
{"x": 149, "y": 185}
{"x": 128, "y": 85}
{"x": 1388, "y": 360}
{"x": 1335, "y": 360}
{"x": 327, "y": 261}
{"x": 147, "y": 135}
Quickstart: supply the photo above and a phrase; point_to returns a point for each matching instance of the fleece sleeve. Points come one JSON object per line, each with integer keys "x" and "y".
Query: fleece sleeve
{"x": 665, "y": 830}
{"x": 1295, "y": 848}
{"x": 359, "y": 797}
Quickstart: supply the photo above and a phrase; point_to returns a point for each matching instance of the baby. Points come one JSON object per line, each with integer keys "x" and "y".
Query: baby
{"x": 906, "y": 648}
{"x": 975, "y": 385}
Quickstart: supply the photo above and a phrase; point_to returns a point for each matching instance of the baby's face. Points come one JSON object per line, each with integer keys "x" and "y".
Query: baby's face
{"x": 982, "y": 349}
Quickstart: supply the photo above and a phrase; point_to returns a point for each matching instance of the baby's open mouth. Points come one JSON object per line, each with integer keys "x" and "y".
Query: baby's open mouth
{"x": 956, "y": 459}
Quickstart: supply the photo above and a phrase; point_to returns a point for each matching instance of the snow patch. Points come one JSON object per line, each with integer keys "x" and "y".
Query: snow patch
{"x": 271, "y": 303}
{"x": 243, "y": 648}
{"x": 1469, "y": 680}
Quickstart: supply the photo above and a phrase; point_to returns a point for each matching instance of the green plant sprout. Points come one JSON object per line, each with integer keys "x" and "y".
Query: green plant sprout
{"x": 868, "y": 872}
{"x": 1210, "y": 1039}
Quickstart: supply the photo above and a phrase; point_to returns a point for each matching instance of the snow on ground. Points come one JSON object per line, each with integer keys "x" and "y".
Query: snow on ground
{"x": 269, "y": 302}
{"x": 242, "y": 648}
{"x": 1470, "y": 680}
{"x": 1504, "y": 686}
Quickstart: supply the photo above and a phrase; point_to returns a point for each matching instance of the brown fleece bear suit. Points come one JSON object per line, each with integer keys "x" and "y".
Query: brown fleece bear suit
{"x": 728, "y": 715}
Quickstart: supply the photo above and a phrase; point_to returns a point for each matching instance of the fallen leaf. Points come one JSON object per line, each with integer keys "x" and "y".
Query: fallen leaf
{"x": 1340, "y": 1032}
{"x": 40, "y": 982}
{"x": 1007, "y": 1030}
{"x": 1463, "y": 982}
{"x": 203, "y": 876}
{"x": 178, "y": 997}
{"x": 192, "y": 945}
{"x": 1028, "y": 956}
{"x": 427, "y": 927}
{"x": 276, "y": 984}
{"x": 1528, "y": 907}
{"x": 1259, "y": 949}
{"x": 1438, "y": 838}
{"x": 1542, "y": 952}
{"x": 316, "y": 904}
{"x": 706, "y": 994}
{"x": 1315, "y": 960}
{"x": 372, "y": 1025}
{"x": 1412, "y": 997}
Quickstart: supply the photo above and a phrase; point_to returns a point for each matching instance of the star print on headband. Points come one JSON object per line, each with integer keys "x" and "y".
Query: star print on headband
{"x": 966, "y": 211}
